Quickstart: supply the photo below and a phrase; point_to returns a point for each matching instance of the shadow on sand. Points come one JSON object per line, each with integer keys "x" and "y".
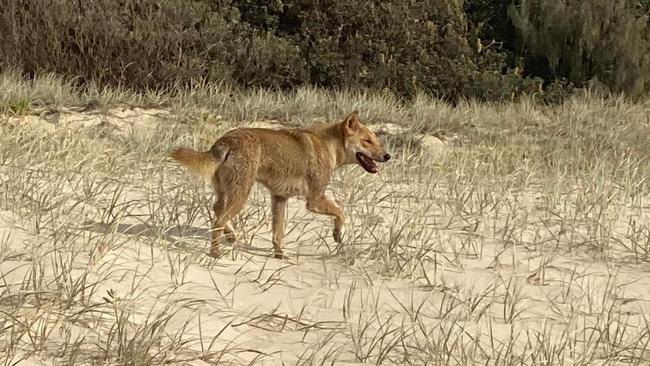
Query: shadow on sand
{"x": 173, "y": 234}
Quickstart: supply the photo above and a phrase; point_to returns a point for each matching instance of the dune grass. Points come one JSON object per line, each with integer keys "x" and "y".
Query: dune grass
{"x": 528, "y": 243}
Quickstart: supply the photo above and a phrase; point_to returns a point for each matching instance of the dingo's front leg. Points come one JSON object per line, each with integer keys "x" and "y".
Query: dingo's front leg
{"x": 322, "y": 205}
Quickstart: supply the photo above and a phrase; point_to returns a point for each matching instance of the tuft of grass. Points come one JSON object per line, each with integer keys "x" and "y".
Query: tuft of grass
{"x": 19, "y": 108}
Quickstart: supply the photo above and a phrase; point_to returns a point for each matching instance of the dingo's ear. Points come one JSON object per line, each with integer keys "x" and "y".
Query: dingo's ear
{"x": 352, "y": 121}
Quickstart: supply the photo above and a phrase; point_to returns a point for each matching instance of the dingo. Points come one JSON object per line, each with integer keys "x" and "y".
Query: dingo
{"x": 289, "y": 162}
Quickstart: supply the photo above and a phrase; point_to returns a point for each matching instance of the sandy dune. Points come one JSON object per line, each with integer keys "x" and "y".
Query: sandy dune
{"x": 103, "y": 241}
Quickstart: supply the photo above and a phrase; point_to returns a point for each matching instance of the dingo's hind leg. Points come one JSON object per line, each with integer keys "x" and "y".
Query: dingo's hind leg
{"x": 233, "y": 182}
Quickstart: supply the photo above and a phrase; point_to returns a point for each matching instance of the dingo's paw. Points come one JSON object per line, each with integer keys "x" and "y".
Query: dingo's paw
{"x": 214, "y": 253}
{"x": 279, "y": 255}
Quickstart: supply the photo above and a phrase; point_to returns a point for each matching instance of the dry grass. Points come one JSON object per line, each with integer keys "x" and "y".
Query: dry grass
{"x": 529, "y": 244}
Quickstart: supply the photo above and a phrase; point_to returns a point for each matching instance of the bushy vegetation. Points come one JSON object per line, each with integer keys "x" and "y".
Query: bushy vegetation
{"x": 143, "y": 44}
{"x": 484, "y": 49}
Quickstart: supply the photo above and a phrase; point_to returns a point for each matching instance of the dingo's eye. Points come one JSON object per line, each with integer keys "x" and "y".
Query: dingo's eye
{"x": 368, "y": 141}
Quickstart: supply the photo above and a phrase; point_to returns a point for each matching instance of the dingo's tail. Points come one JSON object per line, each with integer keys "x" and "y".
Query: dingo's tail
{"x": 201, "y": 163}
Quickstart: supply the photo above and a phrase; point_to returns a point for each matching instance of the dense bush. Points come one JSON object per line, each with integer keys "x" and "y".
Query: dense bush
{"x": 402, "y": 46}
{"x": 486, "y": 49}
{"x": 141, "y": 44}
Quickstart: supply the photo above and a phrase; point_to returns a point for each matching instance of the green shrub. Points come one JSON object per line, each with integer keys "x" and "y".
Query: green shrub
{"x": 143, "y": 44}
{"x": 404, "y": 47}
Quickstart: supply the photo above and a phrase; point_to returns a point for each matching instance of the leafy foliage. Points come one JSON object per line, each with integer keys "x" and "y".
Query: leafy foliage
{"x": 484, "y": 49}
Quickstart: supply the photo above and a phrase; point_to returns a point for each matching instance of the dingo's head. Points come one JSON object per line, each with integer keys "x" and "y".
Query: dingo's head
{"x": 361, "y": 144}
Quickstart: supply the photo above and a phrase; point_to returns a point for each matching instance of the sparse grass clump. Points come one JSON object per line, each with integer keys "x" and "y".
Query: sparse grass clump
{"x": 524, "y": 244}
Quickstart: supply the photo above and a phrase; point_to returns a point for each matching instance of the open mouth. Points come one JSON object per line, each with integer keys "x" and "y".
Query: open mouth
{"x": 366, "y": 162}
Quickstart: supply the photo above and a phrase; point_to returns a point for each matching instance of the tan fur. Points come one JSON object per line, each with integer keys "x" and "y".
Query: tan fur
{"x": 289, "y": 162}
